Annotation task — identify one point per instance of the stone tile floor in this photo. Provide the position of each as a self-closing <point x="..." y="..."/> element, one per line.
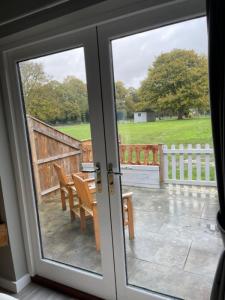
<point x="176" y="247"/>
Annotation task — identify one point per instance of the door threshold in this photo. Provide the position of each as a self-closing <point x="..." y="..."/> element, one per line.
<point x="59" y="287"/>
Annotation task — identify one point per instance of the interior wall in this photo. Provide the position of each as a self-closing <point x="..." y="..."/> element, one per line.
<point x="6" y="260"/>
<point x="12" y="257"/>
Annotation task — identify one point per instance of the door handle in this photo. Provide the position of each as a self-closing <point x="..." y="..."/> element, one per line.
<point x="98" y="179"/>
<point x="111" y="174"/>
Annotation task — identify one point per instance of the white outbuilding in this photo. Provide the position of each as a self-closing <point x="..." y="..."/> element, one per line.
<point x="144" y="116"/>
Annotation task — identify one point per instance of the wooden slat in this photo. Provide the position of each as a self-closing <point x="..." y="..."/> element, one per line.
<point x="41" y="131"/>
<point x="166" y="165"/>
<point x="57" y="157"/>
<point x="48" y="128"/>
<point x="181" y="162"/>
<point x="198" y="163"/>
<point x="189" y="162"/>
<point x="50" y="190"/>
<point x="49" y="145"/>
<point x="207" y="164"/>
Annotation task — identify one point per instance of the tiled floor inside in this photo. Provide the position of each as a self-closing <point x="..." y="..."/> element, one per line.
<point x="34" y="291"/>
<point x="176" y="247"/>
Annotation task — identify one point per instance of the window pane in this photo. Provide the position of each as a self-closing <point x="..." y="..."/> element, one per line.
<point x="57" y="114"/>
<point x="167" y="160"/>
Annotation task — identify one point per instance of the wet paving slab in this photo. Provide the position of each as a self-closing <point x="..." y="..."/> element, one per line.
<point x="176" y="247"/>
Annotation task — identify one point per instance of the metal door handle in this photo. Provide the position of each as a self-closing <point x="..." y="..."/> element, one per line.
<point x="111" y="174"/>
<point x="115" y="173"/>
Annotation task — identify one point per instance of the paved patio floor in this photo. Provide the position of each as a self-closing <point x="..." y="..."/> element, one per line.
<point x="176" y="247"/>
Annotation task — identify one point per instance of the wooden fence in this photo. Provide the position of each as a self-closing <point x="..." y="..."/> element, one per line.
<point x="182" y="165"/>
<point x="189" y="165"/>
<point x="48" y="146"/>
<point x="132" y="154"/>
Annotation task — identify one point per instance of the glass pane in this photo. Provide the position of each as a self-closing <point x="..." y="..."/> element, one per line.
<point x="167" y="160"/>
<point x="57" y="113"/>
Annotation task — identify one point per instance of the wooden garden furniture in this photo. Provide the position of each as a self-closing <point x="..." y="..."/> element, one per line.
<point x="88" y="207"/>
<point x="68" y="190"/>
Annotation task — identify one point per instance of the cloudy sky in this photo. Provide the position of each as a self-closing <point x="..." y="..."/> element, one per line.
<point x="133" y="55"/>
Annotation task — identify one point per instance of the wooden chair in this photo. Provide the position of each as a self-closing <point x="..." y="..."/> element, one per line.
<point x="68" y="190"/>
<point x="88" y="206"/>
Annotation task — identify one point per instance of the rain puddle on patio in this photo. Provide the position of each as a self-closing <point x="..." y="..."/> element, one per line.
<point x="176" y="246"/>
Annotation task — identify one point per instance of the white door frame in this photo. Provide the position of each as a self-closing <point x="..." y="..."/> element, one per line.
<point x="101" y="286"/>
<point x="156" y="18"/>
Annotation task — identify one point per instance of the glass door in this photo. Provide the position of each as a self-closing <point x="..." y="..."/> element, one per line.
<point x="161" y="168"/>
<point x="58" y="106"/>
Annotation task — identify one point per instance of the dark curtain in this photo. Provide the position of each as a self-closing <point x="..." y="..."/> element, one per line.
<point x="216" y="46"/>
<point x="216" y="42"/>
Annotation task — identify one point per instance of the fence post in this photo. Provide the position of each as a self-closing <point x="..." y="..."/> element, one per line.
<point x="34" y="158"/>
<point x="189" y="162"/>
<point x="161" y="164"/>
<point x="165" y="161"/>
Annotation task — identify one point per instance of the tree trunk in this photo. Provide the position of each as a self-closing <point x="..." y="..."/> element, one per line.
<point x="180" y="115"/>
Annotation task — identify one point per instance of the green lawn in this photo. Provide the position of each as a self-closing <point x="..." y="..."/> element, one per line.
<point x="193" y="131"/>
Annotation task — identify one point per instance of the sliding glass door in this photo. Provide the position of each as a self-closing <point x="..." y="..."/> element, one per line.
<point x="57" y="100"/>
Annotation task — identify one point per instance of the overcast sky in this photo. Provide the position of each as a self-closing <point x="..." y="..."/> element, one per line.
<point x="133" y="55"/>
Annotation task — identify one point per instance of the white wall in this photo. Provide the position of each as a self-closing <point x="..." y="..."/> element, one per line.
<point x="12" y="258"/>
<point x="140" y="117"/>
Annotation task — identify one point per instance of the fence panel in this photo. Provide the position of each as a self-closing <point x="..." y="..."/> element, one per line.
<point x="195" y="165"/>
<point x="49" y="146"/>
<point x="130" y="154"/>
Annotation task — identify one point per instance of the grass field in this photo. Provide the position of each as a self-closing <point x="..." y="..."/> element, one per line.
<point x="192" y="131"/>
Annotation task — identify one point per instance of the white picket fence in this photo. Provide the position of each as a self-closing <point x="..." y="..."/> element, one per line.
<point x="191" y="165"/>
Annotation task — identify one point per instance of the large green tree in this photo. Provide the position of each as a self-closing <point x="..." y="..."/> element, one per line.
<point x="43" y="102"/>
<point x="177" y="82"/>
<point x="51" y="100"/>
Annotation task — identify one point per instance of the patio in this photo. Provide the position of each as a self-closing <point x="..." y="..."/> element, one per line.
<point x="176" y="246"/>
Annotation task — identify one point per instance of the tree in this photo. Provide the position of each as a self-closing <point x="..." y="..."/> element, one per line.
<point x="32" y="76"/>
<point x="75" y="97"/>
<point x="43" y="102"/>
<point x="130" y="101"/>
<point x="51" y="100"/>
<point x="125" y="100"/>
<point x="176" y="83"/>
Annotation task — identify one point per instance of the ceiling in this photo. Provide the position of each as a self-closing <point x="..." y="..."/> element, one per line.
<point x="19" y="15"/>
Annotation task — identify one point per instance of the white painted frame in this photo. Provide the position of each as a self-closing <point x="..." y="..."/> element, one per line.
<point x="101" y="286"/>
<point x="160" y="16"/>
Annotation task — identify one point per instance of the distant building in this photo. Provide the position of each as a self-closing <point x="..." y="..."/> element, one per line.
<point x="144" y="116"/>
